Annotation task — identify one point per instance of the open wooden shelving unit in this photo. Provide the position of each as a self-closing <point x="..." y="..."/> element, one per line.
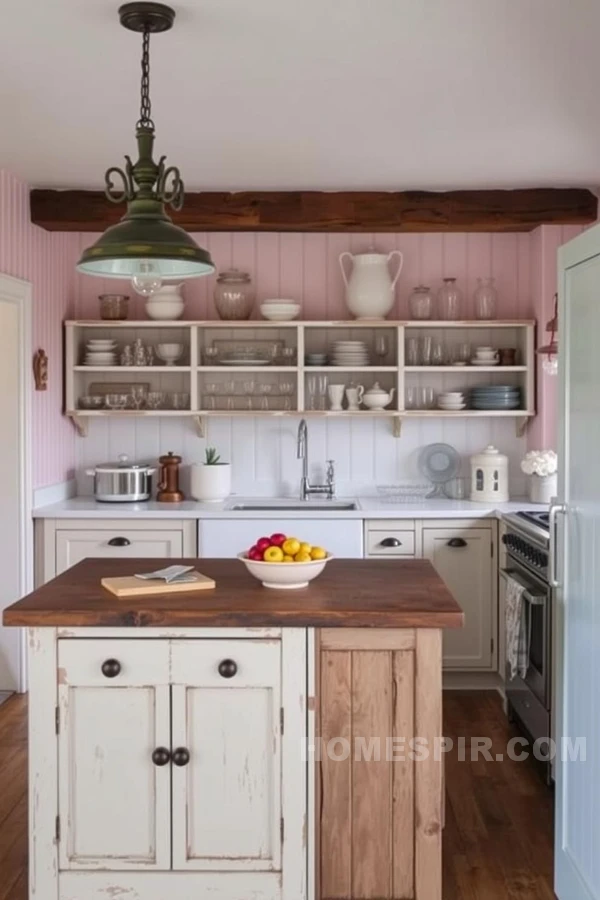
<point x="193" y="376"/>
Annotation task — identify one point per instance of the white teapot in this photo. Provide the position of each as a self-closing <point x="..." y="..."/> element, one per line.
<point x="377" y="398"/>
<point x="370" y="289"/>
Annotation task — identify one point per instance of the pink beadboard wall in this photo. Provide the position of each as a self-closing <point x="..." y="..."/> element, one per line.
<point x="46" y="260"/>
<point x="305" y="266"/>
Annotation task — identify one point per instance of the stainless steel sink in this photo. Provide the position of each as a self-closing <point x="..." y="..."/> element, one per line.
<point x="293" y="506"/>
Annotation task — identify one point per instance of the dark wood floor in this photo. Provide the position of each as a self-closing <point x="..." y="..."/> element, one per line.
<point x="498" y="834"/>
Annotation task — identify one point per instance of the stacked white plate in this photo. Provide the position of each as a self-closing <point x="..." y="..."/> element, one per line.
<point x="352" y="354"/>
<point x="452" y="401"/>
<point x="100" y="352"/>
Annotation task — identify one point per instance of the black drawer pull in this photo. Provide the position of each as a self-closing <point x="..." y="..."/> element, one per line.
<point x="227" y="668"/>
<point x="119" y="542"/>
<point x="457" y="542"/>
<point x="161" y="756"/>
<point x="390" y="542"/>
<point x="181" y="756"/>
<point x="111" y="668"/>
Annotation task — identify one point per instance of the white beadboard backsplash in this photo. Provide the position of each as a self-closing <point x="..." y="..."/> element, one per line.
<point x="263" y="450"/>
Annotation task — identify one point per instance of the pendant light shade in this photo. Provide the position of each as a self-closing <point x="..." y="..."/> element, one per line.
<point x="145" y="245"/>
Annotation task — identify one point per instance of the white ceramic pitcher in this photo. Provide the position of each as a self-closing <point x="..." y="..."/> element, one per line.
<point x="370" y="288"/>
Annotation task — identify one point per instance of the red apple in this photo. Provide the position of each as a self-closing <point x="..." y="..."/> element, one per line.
<point x="255" y="554"/>
<point x="278" y="539"/>
<point x="263" y="544"/>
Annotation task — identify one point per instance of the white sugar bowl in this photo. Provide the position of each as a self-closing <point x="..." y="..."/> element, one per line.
<point x="489" y="476"/>
<point x="376" y="398"/>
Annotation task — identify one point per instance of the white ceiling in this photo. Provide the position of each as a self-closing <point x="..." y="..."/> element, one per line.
<point x="322" y="94"/>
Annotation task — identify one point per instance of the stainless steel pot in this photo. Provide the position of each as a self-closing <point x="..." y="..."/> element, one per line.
<point x="122" y="481"/>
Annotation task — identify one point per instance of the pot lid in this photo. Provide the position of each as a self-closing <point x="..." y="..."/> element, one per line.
<point x="121" y="464"/>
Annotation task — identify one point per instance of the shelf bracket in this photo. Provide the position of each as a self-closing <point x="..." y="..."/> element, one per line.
<point x="522" y="425"/>
<point x="81" y="425"/>
<point x="397" y="427"/>
<point x="200" y="423"/>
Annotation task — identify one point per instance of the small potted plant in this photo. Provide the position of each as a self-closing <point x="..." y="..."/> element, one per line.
<point x="211" y="480"/>
<point x="541" y="466"/>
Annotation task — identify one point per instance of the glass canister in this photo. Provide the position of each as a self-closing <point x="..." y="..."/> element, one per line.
<point x="486" y="299"/>
<point x="420" y="302"/>
<point x="449" y="300"/>
<point x="234" y="295"/>
<point x="113" y="306"/>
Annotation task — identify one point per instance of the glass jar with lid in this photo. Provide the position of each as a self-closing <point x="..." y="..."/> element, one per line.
<point x="234" y="295"/>
<point x="420" y="302"/>
<point x="486" y="299"/>
<point x="449" y="300"/>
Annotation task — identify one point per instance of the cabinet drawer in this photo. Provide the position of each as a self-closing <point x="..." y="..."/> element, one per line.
<point x="73" y="546"/>
<point x="140" y="662"/>
<point x="390" y="542"/>
<point x="198" y="662"/>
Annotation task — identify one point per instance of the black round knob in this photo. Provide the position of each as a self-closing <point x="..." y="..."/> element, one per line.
<point x="227" y="668"/>
<point x="111" y="668"/>
<point x="161" y="756"/>
<point x="181" y="756"/>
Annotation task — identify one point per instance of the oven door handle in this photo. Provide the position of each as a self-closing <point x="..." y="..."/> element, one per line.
<point x="532" y="599"/>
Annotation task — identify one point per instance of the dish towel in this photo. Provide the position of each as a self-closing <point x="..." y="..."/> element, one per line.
<point x="517" y="636"/>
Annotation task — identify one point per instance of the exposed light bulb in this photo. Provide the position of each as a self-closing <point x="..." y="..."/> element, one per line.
<point x="147" y="278"/>
<point x="550" y="365"/>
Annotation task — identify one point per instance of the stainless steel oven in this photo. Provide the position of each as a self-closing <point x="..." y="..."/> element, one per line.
<point x="529" y="699"/>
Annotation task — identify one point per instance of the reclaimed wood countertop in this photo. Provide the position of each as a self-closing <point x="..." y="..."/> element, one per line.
<point x="350" y="593"/>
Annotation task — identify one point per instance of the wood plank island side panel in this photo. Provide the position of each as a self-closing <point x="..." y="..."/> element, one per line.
<point x="335" y="826"/>
<point x="349" y="593"/>
<point x="351" y="211"/>
<point x="403" y="775"/>
<point x="372" y="850"/>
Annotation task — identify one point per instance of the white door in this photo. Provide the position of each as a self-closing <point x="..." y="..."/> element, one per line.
<point x="15" y="525"/>
<point x="577" y="866"/>
<point x="463" y="558"/>
<point x="114" y="789"/>
<point x="227" y="805"/>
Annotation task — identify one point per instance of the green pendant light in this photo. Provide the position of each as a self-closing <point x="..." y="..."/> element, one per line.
<point x="145" y="245"/>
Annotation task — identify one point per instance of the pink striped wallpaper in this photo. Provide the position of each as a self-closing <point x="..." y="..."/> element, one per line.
<point x="46" y="260"/>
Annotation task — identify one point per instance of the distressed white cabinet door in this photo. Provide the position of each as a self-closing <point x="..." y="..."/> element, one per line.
<point x="463" y="558"/>
<point x="227" y="798"/>
<point x="114" y="803"/>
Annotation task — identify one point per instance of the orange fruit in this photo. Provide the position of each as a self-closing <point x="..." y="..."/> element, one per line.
<point x="273" y="554"/>
<point x="291" y="546"/>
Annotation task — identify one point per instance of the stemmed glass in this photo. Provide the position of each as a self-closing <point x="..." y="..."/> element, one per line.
<point x="311" y="387"/>
<point x="382" y="347"/>
<point x="138" y="395"/>
<point x="322" y="384"/>
<point x="286" y="389"/>
<point x="265" y="390"/>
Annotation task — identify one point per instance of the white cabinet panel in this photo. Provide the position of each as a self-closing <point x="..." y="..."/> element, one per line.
<point x="228" y="537"/>
<point x="227" y="798"/>
<point x="73" y="546"/>
<point x="114" y="803"/>
<point x="463" y="558"/>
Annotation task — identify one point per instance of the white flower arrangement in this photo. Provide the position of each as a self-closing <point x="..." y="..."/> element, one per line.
<point x="540" y="462"/>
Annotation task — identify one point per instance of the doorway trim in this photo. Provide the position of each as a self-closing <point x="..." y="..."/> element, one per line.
<point x="19" y="292"/>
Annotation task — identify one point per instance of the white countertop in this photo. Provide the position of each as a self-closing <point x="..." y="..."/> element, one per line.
<point x="368" y="508"/>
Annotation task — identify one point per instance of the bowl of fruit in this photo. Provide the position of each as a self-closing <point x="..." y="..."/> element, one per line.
<point x="284" y="562"/>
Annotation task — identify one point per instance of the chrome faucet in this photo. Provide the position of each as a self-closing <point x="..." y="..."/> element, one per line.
<point x="306" y="488"/>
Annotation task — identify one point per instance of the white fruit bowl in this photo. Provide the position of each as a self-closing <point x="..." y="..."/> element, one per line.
<point x="285" y="576"/>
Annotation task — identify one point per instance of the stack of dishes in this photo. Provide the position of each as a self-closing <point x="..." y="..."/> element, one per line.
<point x="244" y="356"/>
<point x="352" y="354"/>
<point x="451" y="400"/>
<point x="100" y="352"/>
<point x="316" y="359"/>
<point x="280" y="310"/>
<point x="496" y="397"/>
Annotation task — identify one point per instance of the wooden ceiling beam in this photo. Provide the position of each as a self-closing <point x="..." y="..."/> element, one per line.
<point x="318" y="211"/>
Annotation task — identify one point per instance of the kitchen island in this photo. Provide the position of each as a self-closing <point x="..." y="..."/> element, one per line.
<point x="240" y="743"/>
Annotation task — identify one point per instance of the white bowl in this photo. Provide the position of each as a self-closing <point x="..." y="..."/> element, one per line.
<point x="285" y="576"/>
<point x="452" y="395"/>
<point x="169" y="352"/>
<point x="279" y="315"/>
<point x="280" y="302"/>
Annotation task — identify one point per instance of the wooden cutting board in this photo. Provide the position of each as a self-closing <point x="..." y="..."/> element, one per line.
<point x="130" y="586"/>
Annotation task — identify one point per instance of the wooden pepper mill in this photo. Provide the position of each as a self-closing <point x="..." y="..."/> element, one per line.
<point x="168" y="486"/>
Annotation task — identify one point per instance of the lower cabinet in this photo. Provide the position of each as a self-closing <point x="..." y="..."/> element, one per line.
<point x="463" y="556"/>
<point x="182" y="756"/>
<point x="380" y="784"/>
<point x="225" y="538"/>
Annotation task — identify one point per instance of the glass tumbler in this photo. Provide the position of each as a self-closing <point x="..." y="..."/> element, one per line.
<point x="410" y="398"/>
<point x="426" y="398"/>
<point x="412" y="351"/>
<point x="425" y="350"/>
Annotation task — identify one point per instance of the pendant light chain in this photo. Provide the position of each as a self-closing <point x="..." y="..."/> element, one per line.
<point x="145" y="120"/>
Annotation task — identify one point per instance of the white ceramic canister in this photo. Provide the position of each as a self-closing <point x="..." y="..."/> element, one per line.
<point x="542" y="488"/>
<point x="211" y="483"/>
<point x="489" y="476"/>
<point x="166" y="303"/>
<point x="370" y="288"/>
